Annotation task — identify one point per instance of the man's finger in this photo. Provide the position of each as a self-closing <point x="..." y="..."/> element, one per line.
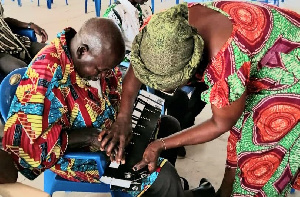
<point x="110" y="147"/>
<point x="105" y="141"/>
<point x="101" y="135"/>
<point x="112" y="157"/>
<point x="120" y="154"/>
<point x="140" y="165"/>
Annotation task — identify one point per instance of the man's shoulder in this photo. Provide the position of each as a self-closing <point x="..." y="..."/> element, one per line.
<point x="47" y="61"/>
<point x="48" y="54"/>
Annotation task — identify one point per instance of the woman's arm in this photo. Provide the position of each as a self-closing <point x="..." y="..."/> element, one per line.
<point x="221" y="121"/>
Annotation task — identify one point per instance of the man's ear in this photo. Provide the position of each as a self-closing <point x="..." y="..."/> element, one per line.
<point x="82" y="50"/>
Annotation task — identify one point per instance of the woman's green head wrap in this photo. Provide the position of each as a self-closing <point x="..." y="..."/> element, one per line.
<point x="167" y="51"/>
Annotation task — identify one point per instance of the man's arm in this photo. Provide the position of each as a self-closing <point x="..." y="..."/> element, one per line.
<point x="83" y="137"/>
<point x="14" y="23"/>
<point x="121" y="129"/>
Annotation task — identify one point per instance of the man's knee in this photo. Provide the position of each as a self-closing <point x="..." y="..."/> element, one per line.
<point x="169" y="125"/>
<point x="9" y="63"/>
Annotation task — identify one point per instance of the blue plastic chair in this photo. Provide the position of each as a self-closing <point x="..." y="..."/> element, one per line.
<point x="8" y="88"/>
<point x="26" y="32"/>
<point x="97" y="7"/>
<point x="19" y="2"/>
<point x="49" y="3"/>
<point x="53" y="182"/>
<point x="152" y="5"/>
<point x="274" y="2"/>
<point x="23" y="32"/>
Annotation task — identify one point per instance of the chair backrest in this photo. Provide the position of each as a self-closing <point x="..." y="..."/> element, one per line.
<point x="8" y="89"/>
<point x="26" y="32"/>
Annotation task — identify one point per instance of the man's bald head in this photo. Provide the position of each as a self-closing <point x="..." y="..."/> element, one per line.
<point x="102" y="36"/>
<point x="97" y="47"/>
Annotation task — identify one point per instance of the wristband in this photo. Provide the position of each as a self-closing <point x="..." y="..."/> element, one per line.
<point x="164" y="144"/>
<point x="29" y="25"/>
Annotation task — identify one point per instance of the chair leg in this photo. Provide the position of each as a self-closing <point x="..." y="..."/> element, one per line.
<point x="152" y="5"/>
<point x="49" y="177"/>
<point x="98" y="7"/>
<point x="85" y="8"/>
<point x="49" y="4"/>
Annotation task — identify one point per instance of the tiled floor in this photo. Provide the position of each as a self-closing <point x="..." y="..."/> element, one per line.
<point x="205" y="160"/>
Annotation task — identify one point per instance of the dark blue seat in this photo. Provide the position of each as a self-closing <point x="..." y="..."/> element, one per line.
<point x="26" y="32"/>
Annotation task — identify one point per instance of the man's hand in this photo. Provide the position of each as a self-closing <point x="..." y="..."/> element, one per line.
<point x="83" y="137"/>
<point x="150" y="156"/>
<point x="114" y="140"/>
<point x="8" y="171"/>
<point x="40" y="31"/>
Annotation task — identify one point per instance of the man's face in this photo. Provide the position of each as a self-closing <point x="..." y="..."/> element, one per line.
<point x="93" y="67"/>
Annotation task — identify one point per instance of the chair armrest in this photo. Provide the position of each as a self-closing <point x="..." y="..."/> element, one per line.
<point x="26" y="32"/>
<point x="19" y="189"/>
<point x="100" y="158"/>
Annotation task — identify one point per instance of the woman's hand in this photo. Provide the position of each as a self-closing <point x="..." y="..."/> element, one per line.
<point x="40" y="31"/>
<point x="118" y="136"/>
<point x="150" y="156"/>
